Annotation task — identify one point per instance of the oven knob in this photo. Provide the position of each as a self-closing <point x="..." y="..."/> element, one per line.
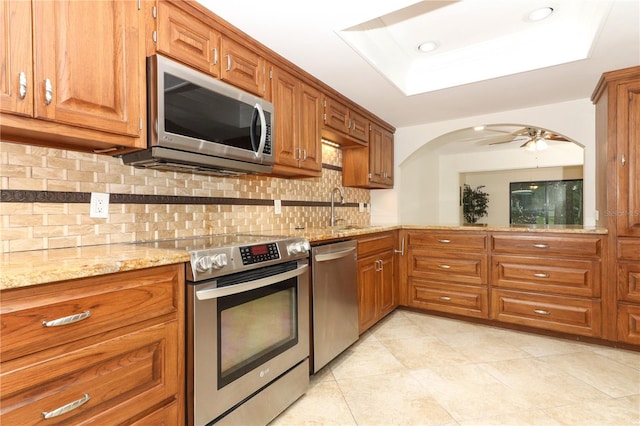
<point x="204" y="263"/>
<point x="218" y="261"/>
<point x="299" y="247"/>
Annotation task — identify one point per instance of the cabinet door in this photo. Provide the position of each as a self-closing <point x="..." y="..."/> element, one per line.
<point x="367" y="306"/>
<point x="376" y="155"/>
<point x="388" y="294"/>
<point x="358" y="126"/>
<point x="15" y="62"/>
<point x="89" y="64"/>
<point x="188" y="39"/>
<point x="310" y="127"/>
<point x="242" y="67"/>
<point x="336" y="115"/>
<point x="283" y="92"/>
<point x="387" y="157"/>
<point x="628" y="134"/>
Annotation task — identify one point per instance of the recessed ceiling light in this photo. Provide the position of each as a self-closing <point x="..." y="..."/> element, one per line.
<point x="427" y="46"/>
<point x="540" y="14"/>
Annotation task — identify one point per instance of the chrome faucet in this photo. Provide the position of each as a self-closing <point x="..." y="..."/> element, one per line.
<point x="334" y="219"/>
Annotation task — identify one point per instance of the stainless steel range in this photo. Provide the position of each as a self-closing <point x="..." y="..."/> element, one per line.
<point x="247" y="326"/>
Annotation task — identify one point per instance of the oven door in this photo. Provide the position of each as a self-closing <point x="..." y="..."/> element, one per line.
<point x="245" y="330"/>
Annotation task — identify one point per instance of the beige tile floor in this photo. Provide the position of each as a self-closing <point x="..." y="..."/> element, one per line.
<point x="417" y="369"/>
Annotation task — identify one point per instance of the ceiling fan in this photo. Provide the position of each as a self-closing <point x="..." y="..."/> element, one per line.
<point x="534" y="139"/>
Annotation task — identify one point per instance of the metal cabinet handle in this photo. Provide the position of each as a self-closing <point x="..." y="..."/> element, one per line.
<point x="445" y="298"/>
<point x="623" y="160"/>
<point x="67" y="407"/>
<point x="215" y="56"/>
<point x="228" y="62"/>
<point x="444" y="241"/>
<point x="22" y="77"/>
<point x="67" y="320"/>
<point x="541" y="246"/>
<point x="48" y="91"/>
<point x="304" y="155"/>
<point x="538" y="275"/>
<point x="444" y="266"/>
<point x="401" y="251"/>
<point x="541" y="312"/>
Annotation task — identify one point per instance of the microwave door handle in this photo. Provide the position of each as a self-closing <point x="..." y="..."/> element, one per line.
<point x="263" y="130"/>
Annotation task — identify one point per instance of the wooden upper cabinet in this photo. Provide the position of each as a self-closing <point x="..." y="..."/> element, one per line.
<point x="242" y="67"/>
<point x="16" y="74"/>
<point x="187" y="39"/>
<point x="629" y="159"/>
<point x="89" y="64"/>
<point x="343" y="125"/>
<point x="297" y="130"/>
<point x="85" y="89"/>
<point x="371" y="166"/>
<point x="617" y="99"/>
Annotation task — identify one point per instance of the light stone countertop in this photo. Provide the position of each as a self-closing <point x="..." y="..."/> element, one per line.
<point x="19" y="269"/>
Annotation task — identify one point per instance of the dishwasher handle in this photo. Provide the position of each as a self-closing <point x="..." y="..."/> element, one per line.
<point x="333" y="256"/>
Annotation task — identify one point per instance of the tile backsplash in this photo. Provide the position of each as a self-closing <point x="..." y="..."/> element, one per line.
<point x="45" y="200"/>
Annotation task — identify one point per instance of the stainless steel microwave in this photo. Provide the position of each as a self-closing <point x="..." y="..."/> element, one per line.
<point x="202" y="125"/>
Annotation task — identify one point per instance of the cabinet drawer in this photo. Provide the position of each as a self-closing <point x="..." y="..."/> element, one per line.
<point x="448" y="240"/>
<point x="121" y="377"/>
<point x="111" y="301"/>
<point x="629" y="323"/>
<point x="629" y="249"/>
<point x="558" y="313"/>
<point x="629" y="281"/>
<point x="569" y="276"/>
<point x="464" y="268"/>
<point x="444" y="297"/>
<point x="544" y="245"/>
<point x="377" y="243"/>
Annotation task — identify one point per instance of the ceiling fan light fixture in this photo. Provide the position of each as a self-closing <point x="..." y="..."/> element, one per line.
<point x="427" y="46"/>
<point x="535" y="145"/>
<point x="479" y="128"/>
<point x="539" y="14"/>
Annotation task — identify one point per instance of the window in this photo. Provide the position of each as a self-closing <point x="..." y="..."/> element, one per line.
<point x="556" y="202"/>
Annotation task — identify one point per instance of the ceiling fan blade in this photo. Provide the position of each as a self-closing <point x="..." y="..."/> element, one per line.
<point x="497" y="140"/>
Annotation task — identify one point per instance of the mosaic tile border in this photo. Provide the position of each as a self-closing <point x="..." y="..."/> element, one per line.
<point x="28" y="196"/>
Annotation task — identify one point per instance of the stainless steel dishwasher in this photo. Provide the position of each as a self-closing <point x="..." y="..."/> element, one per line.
<point x="334" y="300"/>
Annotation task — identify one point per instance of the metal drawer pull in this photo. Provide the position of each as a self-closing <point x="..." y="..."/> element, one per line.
<point x="541" y="312"/>
<point x="228" y="62"/>
<point x="444" y="241"/>
<point x="48" y="91"/>
<point x="215" y="56"/>
<point x="541" y="275"/>
<point x="22" y="77"/>
<point x="444" y="266"/>
<point x="67" y="320"/>
<point x="446" y="298"/>
<point x="66" y="408"/>
<point x="541" y="245"/>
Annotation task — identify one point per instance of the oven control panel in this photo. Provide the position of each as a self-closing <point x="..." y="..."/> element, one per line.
<point x="259" y="253"/>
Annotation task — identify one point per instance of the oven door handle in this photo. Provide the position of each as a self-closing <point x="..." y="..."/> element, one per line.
<point x="213" y="293"/>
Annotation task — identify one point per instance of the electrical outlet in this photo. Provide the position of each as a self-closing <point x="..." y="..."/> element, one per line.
<point x="99" y="205"/>
<point x="277" y="204"/>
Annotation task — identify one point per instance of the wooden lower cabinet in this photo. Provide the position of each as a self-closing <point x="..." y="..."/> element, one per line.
<point x="103" y="350"/>
<point x="629" y="323"/>
<point x="377" y="288"/>
<point x="458" y="299"/>
<point x="447" y="272"/>
<point x="559" y="313"/>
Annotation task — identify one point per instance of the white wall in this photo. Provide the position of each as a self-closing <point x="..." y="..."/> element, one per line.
<point x="414" y="194"/>
<point x="496" y="184"/>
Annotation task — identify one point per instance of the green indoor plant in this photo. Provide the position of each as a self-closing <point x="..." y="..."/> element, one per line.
<point x="474" y="203"/>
